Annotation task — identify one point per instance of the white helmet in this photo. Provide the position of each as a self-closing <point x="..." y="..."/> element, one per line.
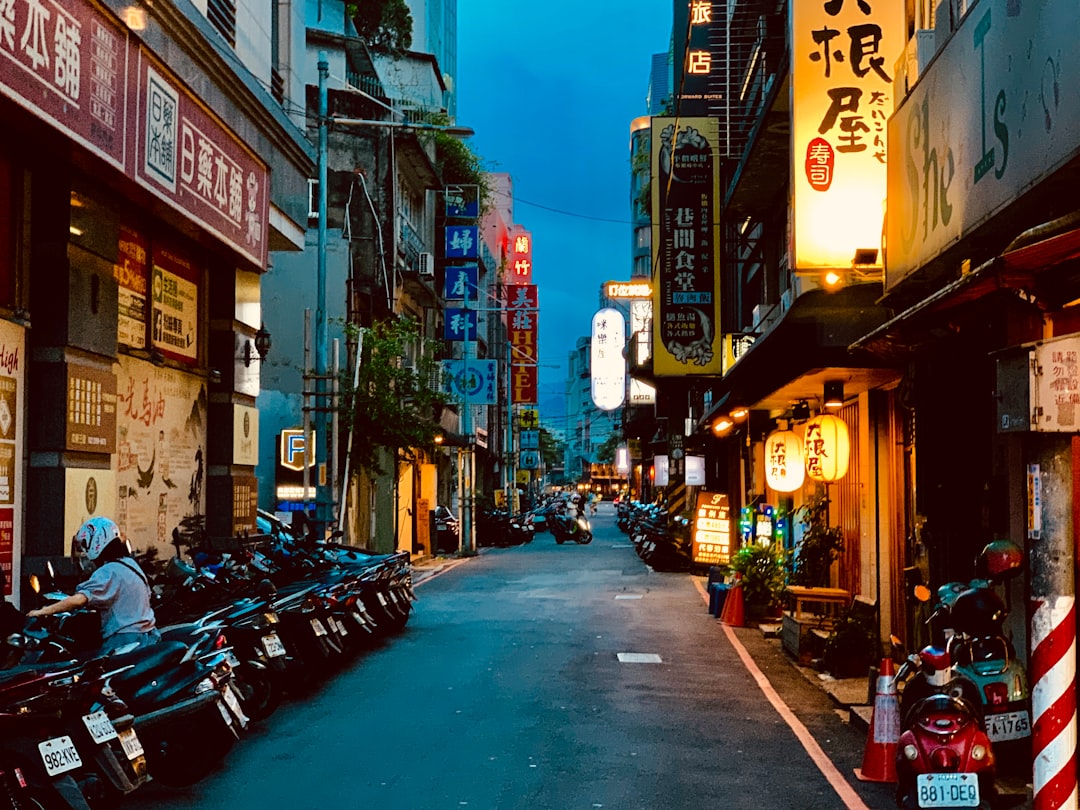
<point x="94" y="535"/>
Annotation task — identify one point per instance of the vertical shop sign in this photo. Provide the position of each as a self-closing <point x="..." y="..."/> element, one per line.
<point x="699" y="29"/>
<point x="522" y="309"/>
<point x="686" y="295"/>
<point x="842" y="95"/>
<point x="519" y="258"/>
<point x="7" y="549"/>
<point x="462" y="283"/>
<point x="245" y="435"/>
<point x="176" y="306"/>
<point x="130" y="272"/>
<point x="606" y="361"/>
<point x="462" y="242"/>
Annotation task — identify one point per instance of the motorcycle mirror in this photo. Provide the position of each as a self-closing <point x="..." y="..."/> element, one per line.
<point x="922" y="593"/>
<point x="49" y="568"/>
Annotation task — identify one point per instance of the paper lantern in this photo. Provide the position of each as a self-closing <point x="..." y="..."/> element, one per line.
<point x="826" y="447"/>
<point x="784" y="466"/>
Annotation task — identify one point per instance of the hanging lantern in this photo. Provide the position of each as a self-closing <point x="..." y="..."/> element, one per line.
<point x="826" y="445"/>
<point x="784" y="466"/>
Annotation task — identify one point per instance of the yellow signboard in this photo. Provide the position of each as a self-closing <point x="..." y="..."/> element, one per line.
<point x="712" y="529"/>
<point x="529" y="419"/>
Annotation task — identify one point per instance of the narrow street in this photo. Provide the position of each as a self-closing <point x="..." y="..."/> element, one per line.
<point x="507" y="691"/>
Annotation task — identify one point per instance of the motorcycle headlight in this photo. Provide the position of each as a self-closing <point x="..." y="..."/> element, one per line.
<point x="911" y="753"/>
<point x="978" y="752"/>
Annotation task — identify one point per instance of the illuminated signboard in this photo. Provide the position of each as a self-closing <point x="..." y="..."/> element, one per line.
<point x="842" y="95"/>
<point x="627" y="289"/>
<point x="712" y="529"/>
<point x="519" y="258"/>
<point x="606" y="361"/>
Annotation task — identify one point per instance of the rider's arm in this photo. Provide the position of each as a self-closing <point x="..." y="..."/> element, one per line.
<point x="73" y="602"/>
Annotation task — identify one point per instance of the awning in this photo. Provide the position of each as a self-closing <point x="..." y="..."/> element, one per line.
<point x="808" y="346"/>
<point x="1042" y="270"/>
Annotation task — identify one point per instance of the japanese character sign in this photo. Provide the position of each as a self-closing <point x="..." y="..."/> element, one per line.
<point x="842" y="92"/>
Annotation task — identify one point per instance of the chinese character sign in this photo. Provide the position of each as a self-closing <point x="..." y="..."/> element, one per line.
<point x="686" y="293"/>
<point x="843" y="53"/>
<point x="461" y="242"/>
<point x="175" y="306"/>
<point x="472" y="381"/>
<point x="462" y="283"/>
<point x="699" y="27"/>
<point x="462" y="202"/>
<point x="519" y="256"/>
<point x="459" y="324"/>
<point x="606" y="361"/>
<point x="521" y="324"/>
<point x="712" y="529"/>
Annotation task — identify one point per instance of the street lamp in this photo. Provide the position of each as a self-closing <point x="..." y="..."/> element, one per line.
<point x="321" y="335"/>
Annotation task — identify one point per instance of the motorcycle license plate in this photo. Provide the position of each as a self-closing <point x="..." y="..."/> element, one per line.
<point x="273" y="646"/>
<point x="131" y="743"/>
<point x="1008" y="726"/>
<point x="317" y="626"/>
<point x="948" y="789"/>
<point x="340" y="628"/>
<point x="100" y="727"/>
<point x="234" y="704"/>
<point x="59" y="755"/>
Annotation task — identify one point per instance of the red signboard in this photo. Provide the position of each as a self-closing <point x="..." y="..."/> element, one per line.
<point x="74" y="65"/>
<point x="519" y="256"/>
<point x="521" y="322"/>
<point x="523" y="385"/>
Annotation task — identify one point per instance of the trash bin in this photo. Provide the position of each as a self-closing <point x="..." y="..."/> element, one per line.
<point x="717" y="595"/>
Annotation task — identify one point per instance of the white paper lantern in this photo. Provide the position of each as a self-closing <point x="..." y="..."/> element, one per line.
<point x="784" y="470"/>
<point x="826" y="446"/>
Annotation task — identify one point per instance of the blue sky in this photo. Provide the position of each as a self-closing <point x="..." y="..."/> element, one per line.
<point x="551" y="88"/>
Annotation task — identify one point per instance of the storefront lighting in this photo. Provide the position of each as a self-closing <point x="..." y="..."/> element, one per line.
<point x="785" y="468"/>
<point x="739" y="413"/>
<point x="74" y="230"/>
<point x="134" y="17"/>
<point x="827" y="447"/>
<point x="722" y="424"/>
<point x="834" y="394"/>
<point x="832" y="278"/>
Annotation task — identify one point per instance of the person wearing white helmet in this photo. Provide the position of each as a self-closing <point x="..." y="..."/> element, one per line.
<point x="118" y="589"/>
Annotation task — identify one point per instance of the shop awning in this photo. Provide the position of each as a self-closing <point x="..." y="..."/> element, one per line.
<point x="1043" y="270"/>
<point x="810" y="344"/>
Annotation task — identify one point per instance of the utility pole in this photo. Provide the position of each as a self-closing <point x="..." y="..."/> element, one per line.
<point x="321" y="334"/>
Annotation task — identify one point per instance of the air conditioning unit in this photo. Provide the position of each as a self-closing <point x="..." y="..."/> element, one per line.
<point x="427" y="265"/>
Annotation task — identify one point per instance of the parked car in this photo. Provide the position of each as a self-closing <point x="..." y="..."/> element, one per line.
<point x="447" y="533"/>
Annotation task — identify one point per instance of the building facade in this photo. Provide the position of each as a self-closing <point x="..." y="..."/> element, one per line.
<point x="156" y="208"/>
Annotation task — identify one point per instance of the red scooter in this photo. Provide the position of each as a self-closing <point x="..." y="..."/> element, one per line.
<point x="944" y="758"/>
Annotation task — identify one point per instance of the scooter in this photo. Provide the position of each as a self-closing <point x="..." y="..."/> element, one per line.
<point x="565" y="526"/>
<point x="944" y="758"/>
<point x="967" y="621"/>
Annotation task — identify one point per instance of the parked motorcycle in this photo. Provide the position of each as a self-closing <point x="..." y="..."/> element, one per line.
<point x="967" y="620"/>
<point x="944" y="758"/>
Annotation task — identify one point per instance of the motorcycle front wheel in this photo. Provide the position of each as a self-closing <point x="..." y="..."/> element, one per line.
<point x="584" y="538"/>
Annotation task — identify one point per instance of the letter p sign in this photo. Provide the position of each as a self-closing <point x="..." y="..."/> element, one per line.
<point x="293" y="449"/>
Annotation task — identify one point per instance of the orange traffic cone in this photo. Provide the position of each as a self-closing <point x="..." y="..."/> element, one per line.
<point x="879" y="756"/>
<point x="732" y="613"/>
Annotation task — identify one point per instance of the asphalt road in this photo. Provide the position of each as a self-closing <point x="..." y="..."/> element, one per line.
<point x="506" y="690"/>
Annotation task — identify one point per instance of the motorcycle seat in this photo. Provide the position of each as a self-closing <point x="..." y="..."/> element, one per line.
<point x="146" y="661"/>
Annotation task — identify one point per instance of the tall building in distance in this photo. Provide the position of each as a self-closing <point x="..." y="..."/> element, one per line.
<point x="435" y="32"/>
<point x="658" y="97"/>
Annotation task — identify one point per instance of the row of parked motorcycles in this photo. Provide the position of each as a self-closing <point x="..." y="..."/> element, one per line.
<point x="661" y="541"/>
<point x="240" y="630"/>
<point x="965" y="712"/>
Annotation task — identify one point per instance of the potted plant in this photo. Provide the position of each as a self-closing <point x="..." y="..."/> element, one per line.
<point x="761" y="570"/>
<point x="819" y="547"/>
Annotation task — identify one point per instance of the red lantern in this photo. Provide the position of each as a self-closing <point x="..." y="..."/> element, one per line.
<point x="784" y="466"/>
<point x="827" y="447"/>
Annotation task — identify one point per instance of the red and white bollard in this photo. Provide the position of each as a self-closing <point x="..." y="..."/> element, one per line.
<point x="1053" y="702"/>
